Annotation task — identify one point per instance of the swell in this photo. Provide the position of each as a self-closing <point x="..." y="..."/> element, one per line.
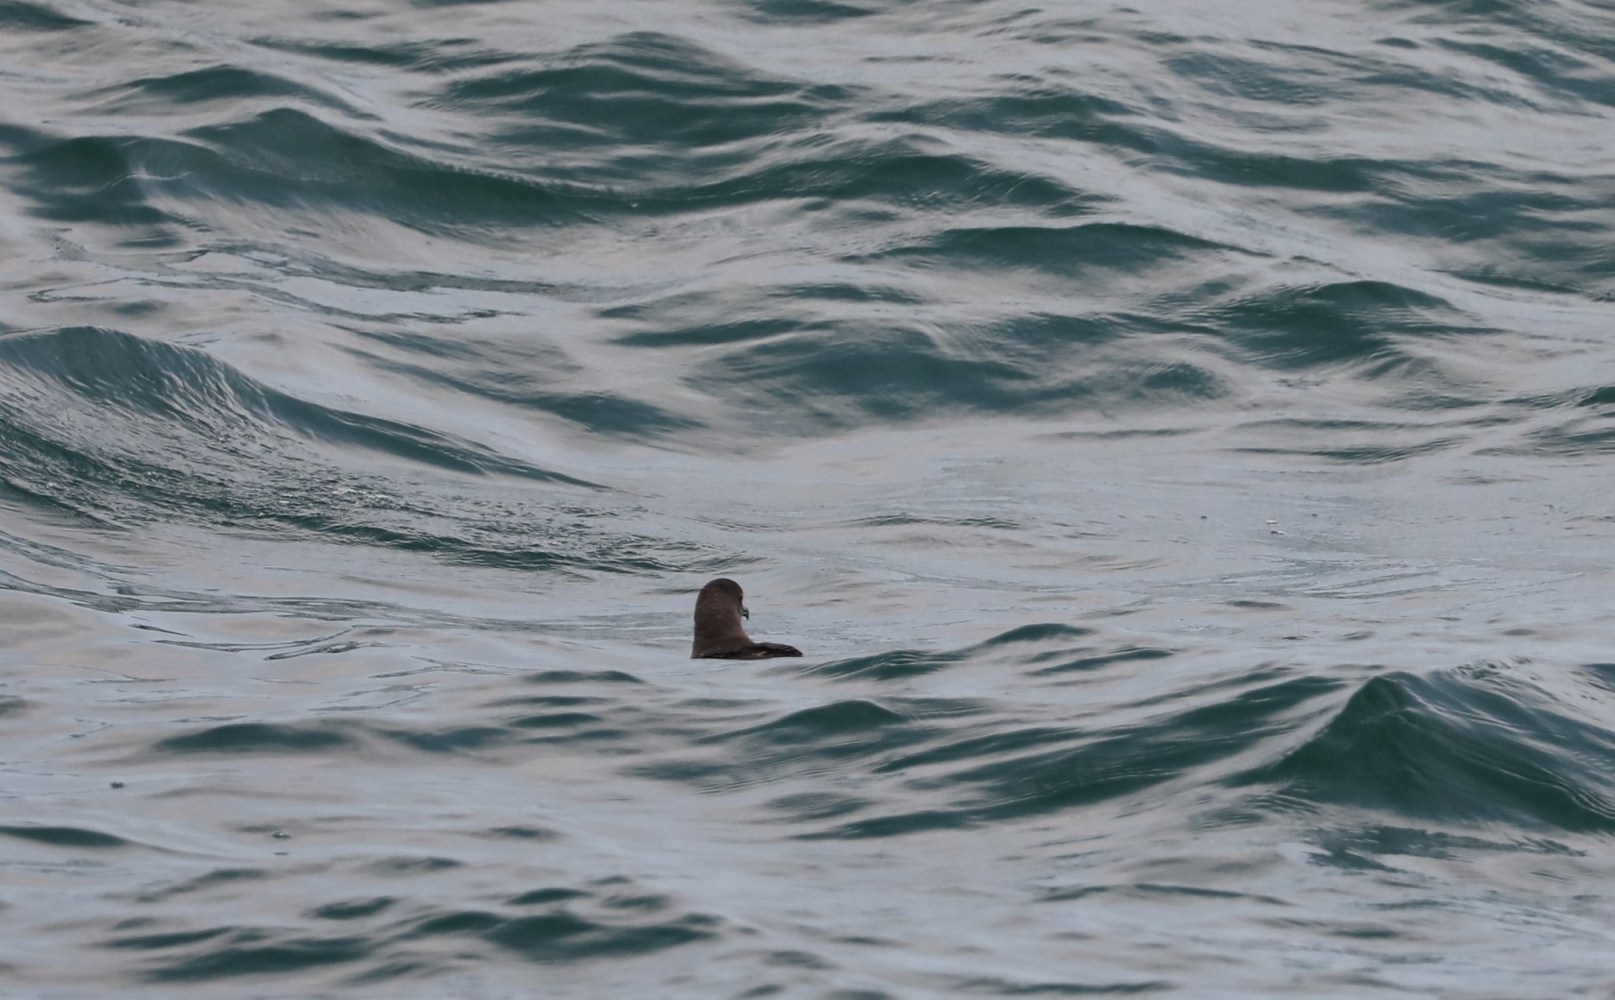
<point x="128" y="377"/>
<point x="584" y="135"/>
<point x="1443" y="764"/>
<point x="644" y="95"/>
<point x="1461" y="747"/>
<point x="1086" y="301"/>
<point x="201" y="442"/>
<point x="928" y="763"/>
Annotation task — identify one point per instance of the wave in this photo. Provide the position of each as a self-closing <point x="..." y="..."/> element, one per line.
<point x="1455" y="747"/>
<point x="1460" y="747"/>
<point x="1081" y="303"/>
<point x="382" y="938"/>
<point x="117" y="376"/>
<point x="201" y="441"/>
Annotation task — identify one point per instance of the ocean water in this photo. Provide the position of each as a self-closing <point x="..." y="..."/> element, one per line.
<point x="1179" y="436"/>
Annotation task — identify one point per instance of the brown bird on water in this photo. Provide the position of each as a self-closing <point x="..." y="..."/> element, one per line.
<point x="718" y="632"/>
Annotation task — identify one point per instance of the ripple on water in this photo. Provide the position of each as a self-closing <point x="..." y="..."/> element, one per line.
<point x="73" y="837"/>
<point x="260" y="737"/>
<point x="389" y="936"/>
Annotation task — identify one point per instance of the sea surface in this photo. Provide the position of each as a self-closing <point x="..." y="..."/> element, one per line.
<point x="1180" y="436"/>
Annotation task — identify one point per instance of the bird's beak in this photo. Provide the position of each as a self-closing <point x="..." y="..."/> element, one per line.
<point x="743" y="612"/>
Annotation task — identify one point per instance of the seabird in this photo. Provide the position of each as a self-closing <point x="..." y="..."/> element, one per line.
<point x="718" y="632"/>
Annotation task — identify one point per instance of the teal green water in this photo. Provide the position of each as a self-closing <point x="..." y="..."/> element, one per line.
<point x="1178" y="437"/>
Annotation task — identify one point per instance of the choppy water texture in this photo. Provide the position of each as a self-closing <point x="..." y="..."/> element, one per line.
<point x="1179" y="436"/>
